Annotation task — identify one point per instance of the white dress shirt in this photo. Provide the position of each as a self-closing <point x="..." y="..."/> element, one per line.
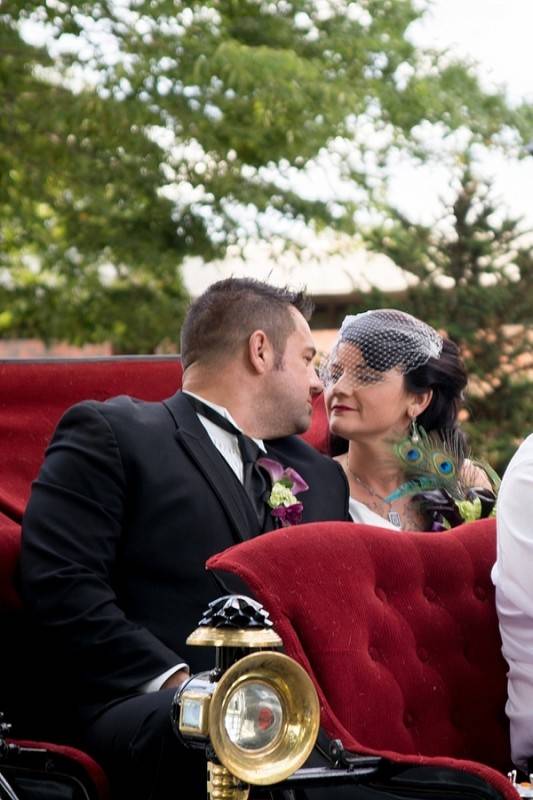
<point x="513" y="578"/>
<point x="227" y="445"/>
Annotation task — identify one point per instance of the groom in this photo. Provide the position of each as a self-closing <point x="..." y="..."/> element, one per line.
<point x="134" y="497"/>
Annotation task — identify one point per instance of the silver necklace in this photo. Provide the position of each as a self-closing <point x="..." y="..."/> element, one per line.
<point x="393" y="516"/>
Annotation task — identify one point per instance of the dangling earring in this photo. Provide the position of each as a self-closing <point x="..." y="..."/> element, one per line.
<point x="409" y="450"/>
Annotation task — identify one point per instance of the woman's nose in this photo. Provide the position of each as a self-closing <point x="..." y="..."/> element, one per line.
<point x="340" y="385"/>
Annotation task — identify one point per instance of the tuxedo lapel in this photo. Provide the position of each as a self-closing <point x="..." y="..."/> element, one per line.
<point x="192" y="436"/>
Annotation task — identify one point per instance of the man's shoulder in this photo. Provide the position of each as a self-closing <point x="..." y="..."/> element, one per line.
<point x="290" y="443"/>
<point x="295" y="448"/>
<point x="121" y="404"/>
<point x="119" y="410"/>
<point x="327" y="497"/>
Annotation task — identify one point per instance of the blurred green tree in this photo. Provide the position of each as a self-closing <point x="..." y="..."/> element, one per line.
<point x="474" y="275"/>
<point x="88" y="241"/>
<point x="148" y="130"/>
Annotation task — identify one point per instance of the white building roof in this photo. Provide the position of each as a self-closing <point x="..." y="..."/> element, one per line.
<point x="320" y="274"/>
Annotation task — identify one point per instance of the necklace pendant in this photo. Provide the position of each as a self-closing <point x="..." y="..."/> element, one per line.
<point x="394" y="519"/>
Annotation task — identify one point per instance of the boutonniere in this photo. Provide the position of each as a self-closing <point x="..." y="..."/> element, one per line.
<point x="286" y="484"/>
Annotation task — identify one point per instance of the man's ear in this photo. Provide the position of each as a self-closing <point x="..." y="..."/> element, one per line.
<point x="260" y="352"/>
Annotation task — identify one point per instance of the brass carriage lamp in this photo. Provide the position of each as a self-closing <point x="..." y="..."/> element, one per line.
<point x="256" y="714"/>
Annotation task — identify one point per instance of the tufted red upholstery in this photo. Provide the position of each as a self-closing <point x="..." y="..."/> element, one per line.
<point x="33" y="396"/>
<point x="428" y="671"/>
<point x="398" y="631"/>
<point x="318" y="433"/>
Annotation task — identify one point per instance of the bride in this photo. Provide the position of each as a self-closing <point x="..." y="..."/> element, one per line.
<point x="390" y="380"/>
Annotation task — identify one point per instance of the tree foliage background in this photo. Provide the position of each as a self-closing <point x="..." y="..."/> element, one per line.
<point x="134" y="133"/>
<point x="141" y="132"/>
<point x="475" y="283"/>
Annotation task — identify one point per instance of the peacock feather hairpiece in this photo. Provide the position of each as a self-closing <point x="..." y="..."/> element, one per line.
<point x="428" y="461"/>
<point x="440" y="475"/>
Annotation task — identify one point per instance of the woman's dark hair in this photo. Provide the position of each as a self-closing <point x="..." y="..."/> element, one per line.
<point x="446" y="376"/>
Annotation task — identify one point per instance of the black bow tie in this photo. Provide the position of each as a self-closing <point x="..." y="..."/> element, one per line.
<point x="254" y="480"/>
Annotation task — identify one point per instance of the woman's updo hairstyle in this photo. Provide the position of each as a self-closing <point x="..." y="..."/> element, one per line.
<point x="446" y="376"/>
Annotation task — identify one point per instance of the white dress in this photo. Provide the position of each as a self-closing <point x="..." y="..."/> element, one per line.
<point x="361" y="513"/>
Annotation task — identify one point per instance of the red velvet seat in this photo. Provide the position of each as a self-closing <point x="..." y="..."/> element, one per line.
<point x="15" y="685"/>
<point x="402" y="641"/>
<point x="34" y="395"/>
<point x="399" y="633"/>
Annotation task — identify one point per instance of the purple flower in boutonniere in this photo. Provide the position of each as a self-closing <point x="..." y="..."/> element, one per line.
<point x="286" y="484"/>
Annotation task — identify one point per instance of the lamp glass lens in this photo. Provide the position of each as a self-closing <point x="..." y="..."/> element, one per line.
<point x="254" y="716"/>
<point x="192" y="712"/>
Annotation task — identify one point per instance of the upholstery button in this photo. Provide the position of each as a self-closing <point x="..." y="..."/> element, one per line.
<point x="429" y="593"/>
<point x="408" y="720"/>
<point x="373" y="653"/>
<point x="423" y="654"/>
<point x="380" y="594"/>
<point x="480" y="593"/>
<point x="455" y="720"/>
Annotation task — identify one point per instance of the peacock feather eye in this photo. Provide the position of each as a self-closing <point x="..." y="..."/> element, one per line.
<point x="444" y="465"/>
<point x="409" y="453"/>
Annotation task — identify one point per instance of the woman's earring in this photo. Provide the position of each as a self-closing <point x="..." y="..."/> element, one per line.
<point x="413" y="432"/>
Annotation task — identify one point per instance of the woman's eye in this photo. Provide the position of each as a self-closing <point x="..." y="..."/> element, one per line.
<point x="365" y="377"/>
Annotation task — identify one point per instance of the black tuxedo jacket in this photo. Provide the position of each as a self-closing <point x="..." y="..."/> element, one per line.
<point x="131" y="501"/>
